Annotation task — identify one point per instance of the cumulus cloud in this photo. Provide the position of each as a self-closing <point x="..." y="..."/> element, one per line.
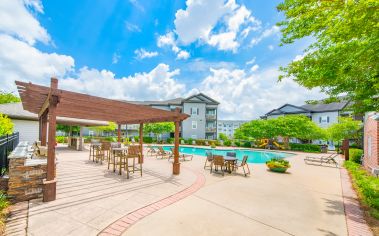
<point x="142" y="53"/>
<point x="254" y="68"/>
<point x="201" y="20"/>
<point x="158" y="84"/>
<point x="265" y="34"/>
<point x="168" y="40"/>
<point x="17" y="21"/>
<point x="245" y="96"/>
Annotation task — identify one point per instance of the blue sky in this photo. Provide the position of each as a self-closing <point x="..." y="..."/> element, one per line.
<point x="136" y="50"/>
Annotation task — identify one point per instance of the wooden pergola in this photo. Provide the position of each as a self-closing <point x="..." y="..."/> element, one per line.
<point x="50" y="102"/>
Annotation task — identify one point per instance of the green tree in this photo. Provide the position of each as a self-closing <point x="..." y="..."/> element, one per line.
<point x="8" y="97"/>
<point x="346" y="128"/>
<point x="107" y="128"/>
<point x="66" y="128"/>
<point x="6" y="125"/>
<point x="344" y="55"/>
<point x="223" y="137"/>
<point x="158" y="128"/>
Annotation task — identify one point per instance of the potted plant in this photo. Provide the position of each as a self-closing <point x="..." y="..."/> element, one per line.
<point x="278" y="165"/>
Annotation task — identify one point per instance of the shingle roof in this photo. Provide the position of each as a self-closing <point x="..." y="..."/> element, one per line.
<point x="323" y="107"/>
<point x="175" y="101"/>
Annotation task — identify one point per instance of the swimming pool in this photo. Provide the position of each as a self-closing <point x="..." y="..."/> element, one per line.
<point x="254" y="156"/>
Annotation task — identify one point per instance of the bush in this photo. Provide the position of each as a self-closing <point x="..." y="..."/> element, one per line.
<point x="3" y="204"/>
<point x="237" y="143"/>
<point x="247" y="144"/>
<point x="366" y="185"/>
<point x="61" y="139"/>
<point x="189" y="141"/>
<point x="278" y="163"/>
<point x="136" y="138"/>
<point x="6" y="125"/>
<point x="227" y="143"/>
<point x="200" y="142"/>
<point x="147" y="139"/>
<point x="355" y="155"/>
<point x="305" y="147"/>
<point x="171" y="140"/>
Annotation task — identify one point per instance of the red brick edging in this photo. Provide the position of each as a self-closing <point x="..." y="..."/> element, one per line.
<point x="356" y="224"/>
<point x="121" y="225"/>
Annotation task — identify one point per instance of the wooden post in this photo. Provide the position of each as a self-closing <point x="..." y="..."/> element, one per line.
<point x="119" y="133"/>
<point x="81" y="138"/>
<point x="49" y="193"/>
<point x="345" y="145"/>
<point x="44" y="129"/>
<point x="141" y="142"/>
<point x="176" y="164"/>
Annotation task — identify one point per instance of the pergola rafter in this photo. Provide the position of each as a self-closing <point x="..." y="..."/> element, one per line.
<point x="50" y="102"/>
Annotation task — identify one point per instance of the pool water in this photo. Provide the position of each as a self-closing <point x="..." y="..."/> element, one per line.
<point x="254" y="156"/>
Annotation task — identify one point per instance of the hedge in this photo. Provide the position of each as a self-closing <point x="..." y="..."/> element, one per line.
<point x="355" y="155"/>
<point x="305" y="147"/>
<point x="366" y="185"/>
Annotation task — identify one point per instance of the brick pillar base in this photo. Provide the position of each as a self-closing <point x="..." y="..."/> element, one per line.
<point x="176" y="168"/>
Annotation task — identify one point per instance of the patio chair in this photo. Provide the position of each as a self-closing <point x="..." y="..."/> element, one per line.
<point x="99" y="154"/>
<point x="209" y="159"/>
<point x="134" y="152"/>
<point x="106" y="147"/>
<point x="218" y="161"/>
<point x="151" y="150"/>
<point x="162" y="153"/>
<point x="181" y="155"/>
<point x="243" y="164"/>
<point x="330" y="159"/>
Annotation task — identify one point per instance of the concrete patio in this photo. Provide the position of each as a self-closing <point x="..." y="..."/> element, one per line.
<point x="90" y="198"/>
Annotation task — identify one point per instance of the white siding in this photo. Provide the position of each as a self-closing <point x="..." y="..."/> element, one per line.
<point x="28" y="129"/>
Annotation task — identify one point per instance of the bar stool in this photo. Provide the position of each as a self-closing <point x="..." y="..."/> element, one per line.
<point x="134" y="152"/>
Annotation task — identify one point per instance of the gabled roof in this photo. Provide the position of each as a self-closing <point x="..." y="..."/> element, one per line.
<point x="287" y="109"/>
<point x="201" y="98"/>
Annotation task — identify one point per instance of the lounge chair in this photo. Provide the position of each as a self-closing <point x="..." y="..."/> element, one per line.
<point x="243" y="164"/>
<point x="151" y="150"/>
<point x="181" y="155"/>
<point x="218" y="161"/>
<point x="330" y="159"/>
<point x="209" y="159"/>
<point x="162" y="153"/>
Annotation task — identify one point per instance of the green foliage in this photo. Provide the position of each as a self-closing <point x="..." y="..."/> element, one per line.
<point x="159" y="128"/>
<point x="61" y="139"/>
<point x="366" y="185"/>
<point x="355" y="155"/>
<point x="304" y="147"/>
<point x="148" y="139"/>
<point x="66" y="128"/>
<point x="213" y="145"/>
<point x="223" y="137"/>
<point x="6" y="125"/>
<point x="344" y="57"/>
<point x="278" y="163"/>
<point x="170" y="140"/>
<point x="345" y="128"/>
<point x="247" y="144"/>
<point x="8" y="98"/>
<point x="189" y="141"/>
<point x="237" y="143"/>
<point x="108" y="128"/>
<point x="228" y="143"/>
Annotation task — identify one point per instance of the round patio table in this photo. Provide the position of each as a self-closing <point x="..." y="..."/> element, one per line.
<point x="230" y="161"/>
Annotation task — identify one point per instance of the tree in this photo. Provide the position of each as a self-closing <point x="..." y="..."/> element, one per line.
<point x="159" y="128"/>
<point x="107" y="128"/>
<point x="344" y="57"/>
<point x="8" y="97"/>
<point x="346" y="128"/>
<point x="6" y="125"/>
<point x="66" y="128"/>
<point x="223" y="137"/>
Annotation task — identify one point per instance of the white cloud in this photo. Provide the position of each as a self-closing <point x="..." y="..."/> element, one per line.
<point x="169" y="40"/>
<point x="158" y="84"/>
<point x="17" y="21"/>
<point x="142" y="53"/>
<point x="183" y="55"/>
<point x="254" y="68"/>
<point x="214" y="22"/>
<point x="245" y="96"/>
<point x="115" y="58"/>
<point x="132" y="27"/>
<point x="265" y="34"/>
<point x="21" y="61"/>
<point x="252" y="61"/>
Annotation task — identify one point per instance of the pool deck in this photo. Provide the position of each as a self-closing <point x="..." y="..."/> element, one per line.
<point x="93" y="201"/>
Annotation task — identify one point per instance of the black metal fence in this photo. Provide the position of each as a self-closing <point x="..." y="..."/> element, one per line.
<point x="7" y="144"/>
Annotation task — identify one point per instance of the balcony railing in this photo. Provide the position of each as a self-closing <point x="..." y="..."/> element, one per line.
<point x="210" y="116"/>
<point x="210" y="129"/>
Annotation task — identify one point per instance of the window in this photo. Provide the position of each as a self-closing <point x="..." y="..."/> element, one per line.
<point x="323" y="119"/>
<point x="194" y="124"/>
<point x="194" y="111"/>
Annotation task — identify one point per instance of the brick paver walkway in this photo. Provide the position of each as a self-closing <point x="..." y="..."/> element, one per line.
<point x="122" y="224"/>
<point x="356" y="224"/>
<point x="16" y="223"/>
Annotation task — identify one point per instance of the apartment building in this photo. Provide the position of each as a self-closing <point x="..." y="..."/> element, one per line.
<point x="228" y="127"/>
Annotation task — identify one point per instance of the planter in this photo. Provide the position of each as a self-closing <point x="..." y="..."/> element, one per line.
<point x="278" y="169"/>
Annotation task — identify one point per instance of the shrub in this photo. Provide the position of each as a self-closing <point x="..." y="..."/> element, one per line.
<point x="305" y="147"/>
<point x="278" y="163"/>
<point x="247" y="144"/>
<point x="6" y="125"/>
<point x="366" y="185"/>
<point x="136" y="138"/>
<point x="189" y="141"/>
<point x="171" y="140"/>
<point x="3" y="204"/>
<point x="61" y="139"/>
<point x="217" y="143"/>
<point x="355" y="155"/>
<point x="227" y="143"/>
<point x="237" y="143"/>
<point x="147" y="139"/>
<point x="200" y="142"/>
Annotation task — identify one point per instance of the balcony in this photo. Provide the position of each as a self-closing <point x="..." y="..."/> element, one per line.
<point x="210" y="129"/>
<point x="210" y="116"/>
